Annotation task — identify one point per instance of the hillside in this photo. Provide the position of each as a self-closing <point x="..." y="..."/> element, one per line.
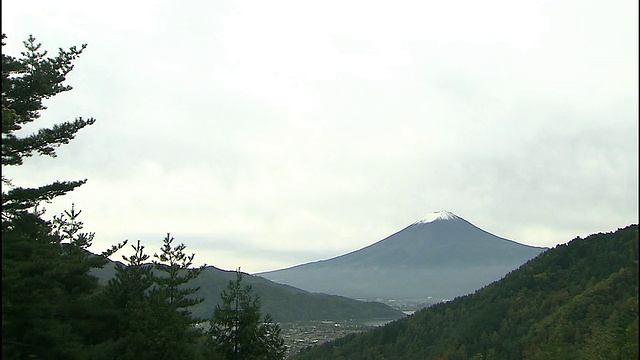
<point x="284" y="303"/>
<point x="578" y="300"/>
<point x="440" y="256"/>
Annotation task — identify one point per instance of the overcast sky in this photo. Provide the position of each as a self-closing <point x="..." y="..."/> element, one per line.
<point x="265" y="134"/>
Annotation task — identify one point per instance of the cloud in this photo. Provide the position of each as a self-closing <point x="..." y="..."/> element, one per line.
<point x="265" y="134"/>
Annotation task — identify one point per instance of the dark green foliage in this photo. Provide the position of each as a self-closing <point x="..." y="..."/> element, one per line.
<point x="47" y="292"/>
<point x="145" y="307"/>
<point x="171" y="296"/>
<point x="578" y="300"/>
<point x="46" y="289"/>
<point x="238" y="330"/>
<point x="286" y="303"/>
<point x="26" y="82"/>
<point x="124" y="308"/>
<point x="176" y="267"/>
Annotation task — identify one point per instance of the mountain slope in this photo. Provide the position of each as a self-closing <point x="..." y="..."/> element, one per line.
<point x="440" y="256"/>
<point x="284" y="303"/>
<point x="578" y="300"/>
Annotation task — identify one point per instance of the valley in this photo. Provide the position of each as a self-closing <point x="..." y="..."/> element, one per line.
<point x="300" y="334"/>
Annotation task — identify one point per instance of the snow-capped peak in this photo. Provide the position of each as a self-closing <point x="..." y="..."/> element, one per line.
<point x="438" y="215"/>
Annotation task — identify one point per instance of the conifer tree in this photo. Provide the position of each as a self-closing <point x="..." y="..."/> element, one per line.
<point x="46" y="286"/>
<point x="237" y="329"/>
<point x="26" y="82"/>
<point x="174" y="298"/>
<point x="147" y="306"/>
<point x="127" y="319"/>
<point x="176" y="267"/>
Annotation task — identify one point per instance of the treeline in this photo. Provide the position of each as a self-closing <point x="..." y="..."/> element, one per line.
<point x="284" y="303"/>
<point x="52" y="307"/>
<point x="576" y="301"/>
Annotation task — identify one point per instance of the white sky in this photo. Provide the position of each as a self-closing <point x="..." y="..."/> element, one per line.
<point x="265" y="134"/>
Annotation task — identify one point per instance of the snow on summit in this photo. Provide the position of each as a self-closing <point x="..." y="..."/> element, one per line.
<point x="438" y="215"/>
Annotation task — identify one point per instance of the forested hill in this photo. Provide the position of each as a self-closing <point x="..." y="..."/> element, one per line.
<point x="284" y="303"/>
<point x="576" y="301"/>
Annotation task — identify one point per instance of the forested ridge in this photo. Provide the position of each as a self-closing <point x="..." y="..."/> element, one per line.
<point x="576" y="301"/>
<point x="284" y="303"/>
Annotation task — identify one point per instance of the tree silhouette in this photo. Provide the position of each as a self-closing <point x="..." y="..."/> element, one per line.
<point x="46" y="285"/>
<point x="146" y="312"/>
<point x="237" y="329"/>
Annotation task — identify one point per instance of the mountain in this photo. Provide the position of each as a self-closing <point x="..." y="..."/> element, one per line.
<point x="284" y="303"/>
<point x="440" y="256"/>
<point x="576" y="301"/>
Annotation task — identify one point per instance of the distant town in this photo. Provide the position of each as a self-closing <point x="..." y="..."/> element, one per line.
<point x="298" y="335"/>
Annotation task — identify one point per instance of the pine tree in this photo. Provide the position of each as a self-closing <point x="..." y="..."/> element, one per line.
<point x="26" y="82"/>
<point x="47" y="291"/>
<point x="146" y="305"/>
<point x="123" y="313"/>
<point x="174" y="298"/>
<point x="237" y="330"/>
<point x="177" y="269"/>
<point x="46" y="287"/>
